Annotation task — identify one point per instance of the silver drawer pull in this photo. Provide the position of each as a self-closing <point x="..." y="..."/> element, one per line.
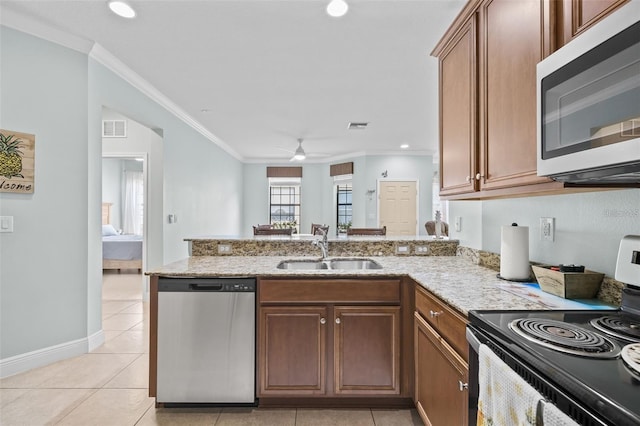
<point x="337" y="320"/>
<point x="435" y="314"/>
<point x="323" y="321"/>
<point x="462" y="386"/>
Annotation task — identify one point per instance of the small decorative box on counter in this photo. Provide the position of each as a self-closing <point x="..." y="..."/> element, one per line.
<point x="570" y="285"/>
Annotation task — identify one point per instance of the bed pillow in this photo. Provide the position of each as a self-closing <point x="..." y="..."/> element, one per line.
<point x="108" y="230"/>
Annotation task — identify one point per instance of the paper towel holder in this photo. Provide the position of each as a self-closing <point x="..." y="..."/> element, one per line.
<point x="529" y="279"/>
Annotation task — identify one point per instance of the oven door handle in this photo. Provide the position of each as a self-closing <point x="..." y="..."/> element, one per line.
<point x="473" y="340"/>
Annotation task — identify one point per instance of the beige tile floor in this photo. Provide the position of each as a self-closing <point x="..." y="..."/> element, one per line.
<point x="109" y="385"/>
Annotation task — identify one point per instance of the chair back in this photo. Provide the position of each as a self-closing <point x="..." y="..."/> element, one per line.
<point x="270" y="230"/>
<point x="316" y="226"/>
<point x="430" y="226"/>
<point x="367" y="231"/>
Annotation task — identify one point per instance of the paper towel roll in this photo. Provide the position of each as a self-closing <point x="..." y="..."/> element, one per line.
<point x="514" y="253"/>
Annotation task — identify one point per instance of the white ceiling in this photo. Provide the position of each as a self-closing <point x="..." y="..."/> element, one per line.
<point x="270" y="72"/>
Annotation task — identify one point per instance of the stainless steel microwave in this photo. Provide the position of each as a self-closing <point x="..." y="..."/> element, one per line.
<point x="589" y="104"/>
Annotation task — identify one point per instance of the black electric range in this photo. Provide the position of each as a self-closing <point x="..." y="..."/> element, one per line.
<point x="595" y="387"/>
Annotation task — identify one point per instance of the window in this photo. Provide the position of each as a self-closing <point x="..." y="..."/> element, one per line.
<point x="344" y="203"/>
<point x="284" y="202"/>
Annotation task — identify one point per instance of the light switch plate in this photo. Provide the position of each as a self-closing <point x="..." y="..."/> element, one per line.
<point x="402" y="249"/>
<point x="458" y="223"/>
<point x="6" y="223"/>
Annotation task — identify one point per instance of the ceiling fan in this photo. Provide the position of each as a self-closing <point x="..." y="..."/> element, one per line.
<point x="299" y="154"/>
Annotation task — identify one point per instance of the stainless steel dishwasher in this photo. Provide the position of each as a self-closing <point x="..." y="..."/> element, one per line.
<point x="206" y="340"/>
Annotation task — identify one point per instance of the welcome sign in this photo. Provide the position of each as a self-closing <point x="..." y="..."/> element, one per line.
<point x="17" y="161"/>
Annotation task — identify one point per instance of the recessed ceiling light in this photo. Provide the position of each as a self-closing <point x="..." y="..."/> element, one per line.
<point x="121" y="8"/>
<point x="404" y="146"/>
<point x="337" y="8"/>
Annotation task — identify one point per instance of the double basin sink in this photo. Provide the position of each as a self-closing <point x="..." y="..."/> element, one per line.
<point x="340" y="264"/>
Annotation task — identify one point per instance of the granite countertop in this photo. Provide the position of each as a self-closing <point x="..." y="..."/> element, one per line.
<point x="455" y="280"/>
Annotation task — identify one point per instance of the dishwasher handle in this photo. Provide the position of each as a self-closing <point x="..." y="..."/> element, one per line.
<point x="206" y="287"/>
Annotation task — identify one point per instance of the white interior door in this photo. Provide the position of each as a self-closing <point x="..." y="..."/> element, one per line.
<point x="397" y="207"/>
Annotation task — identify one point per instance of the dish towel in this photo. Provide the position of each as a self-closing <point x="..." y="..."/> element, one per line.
<point x="505" y="398"/>
<point x="552" y="416"/>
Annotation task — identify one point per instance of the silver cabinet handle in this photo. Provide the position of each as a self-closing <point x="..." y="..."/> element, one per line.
<point x="337" y="320"/>
<point x="462" y="386"/>
<point x="435" y="314"/>
<point x="323" y="321"/>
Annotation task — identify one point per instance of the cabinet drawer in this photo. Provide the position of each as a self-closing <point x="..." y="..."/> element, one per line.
<point x="450" y="324"/>
<point x="357" y="291"/>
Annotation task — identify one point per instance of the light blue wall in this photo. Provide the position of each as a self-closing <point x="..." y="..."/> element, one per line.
<point x="589" y="226"/>
<point x="317" y="193"/>
<point x="43" y="263"/>
<point x="50" y="267"/>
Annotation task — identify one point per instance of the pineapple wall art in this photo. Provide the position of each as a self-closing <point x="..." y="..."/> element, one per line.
<point x="17" y="153"/>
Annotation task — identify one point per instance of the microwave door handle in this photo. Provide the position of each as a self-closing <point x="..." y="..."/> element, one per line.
<point x="473" y="340"/>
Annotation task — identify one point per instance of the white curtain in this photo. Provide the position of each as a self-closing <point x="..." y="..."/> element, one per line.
<point x="133" y="202"/>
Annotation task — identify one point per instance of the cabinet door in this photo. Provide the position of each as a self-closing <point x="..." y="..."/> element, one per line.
<point x="367" y="350"/>
<point x="292" y="344"/>
<point x="514" y="38"/>
<point x="578" y="15"/>
<point x="458" y="112"/>
<point x="441" y="393"/>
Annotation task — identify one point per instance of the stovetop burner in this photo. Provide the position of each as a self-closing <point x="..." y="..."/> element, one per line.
<point x="622" y="328"/>
<point x="565" y="337"/>
<point x="631" y="357"/>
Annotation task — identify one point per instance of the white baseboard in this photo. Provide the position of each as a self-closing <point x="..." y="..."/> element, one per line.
<point x="95" y="340"/>
<point x="24" y="362"/>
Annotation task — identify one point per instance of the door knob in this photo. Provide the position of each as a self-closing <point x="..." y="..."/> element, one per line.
<point x="323" y="321"/>
<point x="337" y="320"/>
<point x="479" y="176"/>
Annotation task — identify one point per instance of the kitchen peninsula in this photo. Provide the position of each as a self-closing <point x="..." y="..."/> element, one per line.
<point x="369" y="337"/>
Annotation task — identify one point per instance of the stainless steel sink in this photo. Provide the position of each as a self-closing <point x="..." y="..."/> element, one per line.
<point x="354" y="264"/>
<point x="341" y="264"/>
<point x="303" y="264"/>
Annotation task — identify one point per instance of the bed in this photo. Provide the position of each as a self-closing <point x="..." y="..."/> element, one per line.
<point x="119" y="251"/>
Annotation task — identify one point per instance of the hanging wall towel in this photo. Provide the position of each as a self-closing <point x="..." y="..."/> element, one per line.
<point x="514" y="253"/>
<point x="505" y="398"/>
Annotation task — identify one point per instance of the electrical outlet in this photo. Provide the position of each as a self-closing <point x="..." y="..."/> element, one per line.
<point x="547" y="229"/>
<point x="402" y="249"/>
<point x="224" y="248"/>
<point x="421" y="249"/>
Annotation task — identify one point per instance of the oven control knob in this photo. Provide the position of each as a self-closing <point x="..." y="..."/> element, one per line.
<point x="462" y="386"/>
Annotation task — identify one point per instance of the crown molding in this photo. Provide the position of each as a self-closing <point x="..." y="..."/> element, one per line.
<point x="25" y="23"/>
<point x="106" y="58"/>
<point x="11" y="18"/>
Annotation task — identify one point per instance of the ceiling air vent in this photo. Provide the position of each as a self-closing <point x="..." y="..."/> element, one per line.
<point x="358" y="126"/>
<point x="114" y="128"/>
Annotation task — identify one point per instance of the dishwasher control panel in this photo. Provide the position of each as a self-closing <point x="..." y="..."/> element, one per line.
<point x="221" y="285"/>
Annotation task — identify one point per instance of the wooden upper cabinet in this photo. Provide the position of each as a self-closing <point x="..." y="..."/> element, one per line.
<point x="515" y="36"/>
<point x="579" y="15"/>
<point x="458" y="117"/>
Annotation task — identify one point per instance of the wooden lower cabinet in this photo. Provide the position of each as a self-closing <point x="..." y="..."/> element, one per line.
<point x="367" y="350"/>
<point x="294" y="353"/>
<point x="292" y="350"/>
<point x="441" y="394"/>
